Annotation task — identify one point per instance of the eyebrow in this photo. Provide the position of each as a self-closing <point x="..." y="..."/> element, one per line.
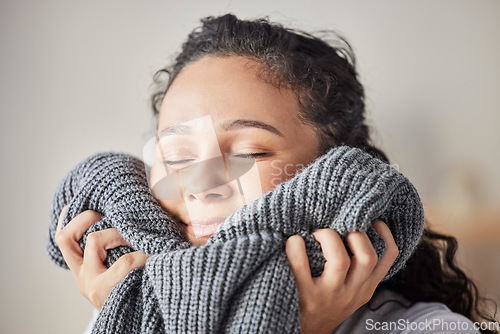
<point x="245" y="123"/>
<point x="176" y="129"/>
<point x="228" y="125"/>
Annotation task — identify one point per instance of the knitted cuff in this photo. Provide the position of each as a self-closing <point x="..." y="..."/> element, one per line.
<point x="115" y="186"/>
<point x="344" y="189"/>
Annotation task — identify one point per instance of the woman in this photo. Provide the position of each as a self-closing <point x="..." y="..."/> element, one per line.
<point x="283" y="98"/>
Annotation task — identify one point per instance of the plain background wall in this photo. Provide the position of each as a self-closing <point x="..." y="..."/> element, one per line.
<point x="75" y="79"/>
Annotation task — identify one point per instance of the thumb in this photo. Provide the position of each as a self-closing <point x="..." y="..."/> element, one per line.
<point x="299" y="263"/>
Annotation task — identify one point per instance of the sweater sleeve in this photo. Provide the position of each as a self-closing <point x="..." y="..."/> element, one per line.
<point x="240" y="280"/>
<point x="242" y="285"/>
<point x="131" y="307"/>
<point x="115" y="186"/>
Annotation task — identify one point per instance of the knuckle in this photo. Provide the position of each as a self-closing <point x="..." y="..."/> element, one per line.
<point x="392" y="252"/>
<point x="326" y="233"/>
<point x="369" y="258"/>
<point x="94" y="239"/>
<point x="341" y="264"/>
<point x="299" y="265"/>
<point x="57" y="237"/>
<point x="126" y="260"/>
<point x="329" y="232"/>
<point x="293" y="245"/>
<point x="91" y="215"/>
<point x="61" y="238"/>
<point x="93" y="296"/>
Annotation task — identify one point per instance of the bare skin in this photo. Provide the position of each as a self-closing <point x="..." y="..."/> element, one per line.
<point x="95" y="281"/>
<point x="229" y="89"/>
<point x="346" y="284"/>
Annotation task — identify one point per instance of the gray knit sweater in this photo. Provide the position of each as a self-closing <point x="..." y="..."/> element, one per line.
<point x="240" y="280"/>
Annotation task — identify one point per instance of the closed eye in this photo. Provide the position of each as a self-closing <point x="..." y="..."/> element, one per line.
<point x="185" y="161"/>
<point x="177" y="162"/>
<point x="249" y="155"/>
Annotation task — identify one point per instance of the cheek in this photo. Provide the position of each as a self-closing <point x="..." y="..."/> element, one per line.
<point x="175" y="207"/>
<point x="156" y="174"/>
<point x="276" y="172"/>
<point x="250" y="184"/>
<point x="271" y="174"/>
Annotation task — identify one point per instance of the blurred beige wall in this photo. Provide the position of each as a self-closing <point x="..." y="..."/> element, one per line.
<point x="75" y="79"/>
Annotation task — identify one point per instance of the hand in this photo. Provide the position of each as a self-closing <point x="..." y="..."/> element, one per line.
<point x="346" y="283"/>
<point x="93" y="278"/>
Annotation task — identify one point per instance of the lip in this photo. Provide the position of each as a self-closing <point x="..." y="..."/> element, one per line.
<point x="204" y="227"/>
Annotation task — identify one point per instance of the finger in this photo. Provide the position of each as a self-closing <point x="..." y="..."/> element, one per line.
<point x="391" y="251"/>
<point x="61" y="217"/>
<point x="337" y="260"/>
<point x="68" y="239"/>
<point x="364" y="258"/>
<point x="124" y="265"/>
<point x="97" y="245"/>
<point x="299" y="263"/>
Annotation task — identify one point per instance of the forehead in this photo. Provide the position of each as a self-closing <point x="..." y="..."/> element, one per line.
<point x="226" y="88"/>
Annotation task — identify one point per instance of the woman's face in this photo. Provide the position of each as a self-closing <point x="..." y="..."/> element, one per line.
<point x="225" y="137"/>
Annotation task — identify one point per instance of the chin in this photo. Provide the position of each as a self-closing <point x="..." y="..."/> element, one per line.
<point x="197" y="241"/>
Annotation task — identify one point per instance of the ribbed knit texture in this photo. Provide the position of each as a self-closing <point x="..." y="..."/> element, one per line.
<point x="240" y="280"/>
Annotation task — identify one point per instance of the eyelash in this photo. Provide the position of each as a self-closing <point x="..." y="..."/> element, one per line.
<point x="177" y="162"/>
<point x="247" y="155"/>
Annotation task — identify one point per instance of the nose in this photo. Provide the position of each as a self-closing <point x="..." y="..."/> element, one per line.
<point x="206" y="181"/>
<point x="216" y="194"/>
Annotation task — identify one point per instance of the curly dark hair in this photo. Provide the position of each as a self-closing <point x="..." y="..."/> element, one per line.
<point x="331" y="99"/>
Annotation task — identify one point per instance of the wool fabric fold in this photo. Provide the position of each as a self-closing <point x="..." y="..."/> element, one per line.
<point x="240" y="280"/>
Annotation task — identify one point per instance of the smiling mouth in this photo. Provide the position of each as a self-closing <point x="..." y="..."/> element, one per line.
<point x="204" y="227"/>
